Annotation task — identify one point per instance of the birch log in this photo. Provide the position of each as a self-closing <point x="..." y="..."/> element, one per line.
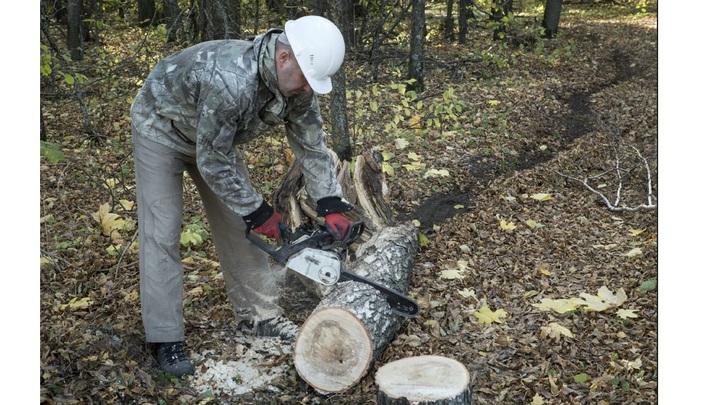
<point x="423" y="380"/>
<point x="352" y="325"/>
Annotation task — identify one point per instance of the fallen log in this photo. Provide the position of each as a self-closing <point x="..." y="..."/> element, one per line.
<point x="423" y="380"/>
<point x="353" y="324"/>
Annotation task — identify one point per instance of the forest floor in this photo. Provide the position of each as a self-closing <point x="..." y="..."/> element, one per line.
<point x="486" y="171"/>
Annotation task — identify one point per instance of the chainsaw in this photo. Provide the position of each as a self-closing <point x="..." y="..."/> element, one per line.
<point x="311" y="251"/>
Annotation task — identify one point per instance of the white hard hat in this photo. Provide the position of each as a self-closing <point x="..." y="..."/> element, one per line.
<point x="319" y="49"/>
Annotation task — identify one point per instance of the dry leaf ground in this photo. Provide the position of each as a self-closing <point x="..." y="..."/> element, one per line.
<point x="555" y="107"/>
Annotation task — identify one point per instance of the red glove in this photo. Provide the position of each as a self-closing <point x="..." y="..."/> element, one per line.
<point x="271" y="227"/>
<point x="338" y="225"/>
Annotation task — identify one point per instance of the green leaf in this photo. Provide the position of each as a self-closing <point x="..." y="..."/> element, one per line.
<point x="423" y="240"/>
<point x="69" y="79"/>
<point x="581" y="378"/>
<point x="51" y="152"/>
<point x="649" y="285"/>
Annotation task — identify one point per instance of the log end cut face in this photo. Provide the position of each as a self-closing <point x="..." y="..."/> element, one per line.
<point x="333" y="350"/>
<point x="423" y="379"/>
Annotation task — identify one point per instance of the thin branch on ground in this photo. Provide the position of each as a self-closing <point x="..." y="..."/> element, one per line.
<point x="620" y="174"/>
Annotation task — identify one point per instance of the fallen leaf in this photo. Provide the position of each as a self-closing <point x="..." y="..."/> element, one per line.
<point x="581" y="378"/>
<point x="75" y="303"/>
<point x="387" y="169"/>
<point x="507" y="226"/>
<point x="604" y="299"/>
<point x="467" y="293"/>
<point x="649" y="285"/>
<point x="636" y="232"/>
<point x="634" y="252"/>
<point x="537" y="400"/>
<point x="451" y="274"/>
<point x="487" y="316"/>
<point x="436" y="173"/>
<point x="541" y="196"/>
<point x="533" y="225"/>
<point x="401" y="143"/>
<point x="109" y="222"/>
<point x="560" y="306"/>
<point x="555" y="331"/>
<point x="626" y="313"/>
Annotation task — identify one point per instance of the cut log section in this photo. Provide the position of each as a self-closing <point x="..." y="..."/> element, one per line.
<point x="352" y="325"/>
<point x="423" y="380"/>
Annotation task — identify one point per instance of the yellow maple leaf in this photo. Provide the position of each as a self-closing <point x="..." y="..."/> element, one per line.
<point x="507" y="226"/>
<point x="414" y="156"/>
<point x="75" y="303"/>
<point x="538" y="400"/>
<point x="414" y="166"/>
<point x="387" y="169"/>
<point x="127" y="204"/>
<point x="541" y="196"/>
<point x="560" y="305"/>
<point x="109" y="222"/>
<point x="487" y="316"/>
<point x="604" y="299"/>
<point x="555" y="331"/>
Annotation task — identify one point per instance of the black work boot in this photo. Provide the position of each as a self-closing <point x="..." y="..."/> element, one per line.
<point x="171" y="357"/>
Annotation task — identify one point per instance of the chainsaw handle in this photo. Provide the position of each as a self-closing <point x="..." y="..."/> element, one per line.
<point x="353" y="234"/>
<point x="281" y="254"/>
<point x="302" y="238"/>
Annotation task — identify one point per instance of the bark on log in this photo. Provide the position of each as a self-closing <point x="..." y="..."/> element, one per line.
<point x="423" y="380"/>
<point x="353" y="324"/>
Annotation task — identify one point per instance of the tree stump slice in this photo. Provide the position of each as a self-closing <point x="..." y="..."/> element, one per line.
<point x="424" y="380"/>
<point x="353" y="324"/>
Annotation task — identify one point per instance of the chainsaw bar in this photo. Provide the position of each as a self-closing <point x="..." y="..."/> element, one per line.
<point x="399" y="303"/>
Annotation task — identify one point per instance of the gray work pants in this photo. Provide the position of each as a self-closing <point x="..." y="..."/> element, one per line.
<point x="251" y="286"/>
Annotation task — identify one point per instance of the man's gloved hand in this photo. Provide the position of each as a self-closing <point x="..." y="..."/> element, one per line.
<point x="271" y="227"/>
<point x="265" y="221"/>
<point x="338" y="225"/>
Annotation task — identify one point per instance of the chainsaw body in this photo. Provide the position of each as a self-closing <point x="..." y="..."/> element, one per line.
<point x="312" y="252"/>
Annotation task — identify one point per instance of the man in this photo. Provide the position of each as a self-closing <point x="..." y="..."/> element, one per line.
<point x="195" y="108"/>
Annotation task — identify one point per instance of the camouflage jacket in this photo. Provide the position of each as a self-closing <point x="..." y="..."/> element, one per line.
<point x="208" y="99"/>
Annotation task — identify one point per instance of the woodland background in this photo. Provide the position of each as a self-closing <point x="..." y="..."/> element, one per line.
<point x="482" y="144"/>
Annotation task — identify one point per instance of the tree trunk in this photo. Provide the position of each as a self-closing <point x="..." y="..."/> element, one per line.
<point x="449" y="22"/>
<point x="423" y="380"/>
<point x="353" y="324"/>
<point x="551" y="17"/>
<point x="340" y="132"/>
<point x="463" y="14"/>
<point x="74" y="29"/>
<point x="146" y="13"/>
<point x="220" y="19"/>
<point x="171" y="17"/>
<point x="417" y="41"/>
